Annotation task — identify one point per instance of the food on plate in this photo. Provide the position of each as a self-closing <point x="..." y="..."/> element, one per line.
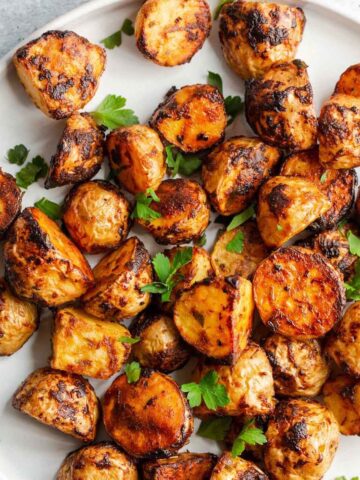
<point x="180" y="467"/>
<point x="239" y="425"/>
<point x="236" y="468"/>
<point x="10" y="201"/>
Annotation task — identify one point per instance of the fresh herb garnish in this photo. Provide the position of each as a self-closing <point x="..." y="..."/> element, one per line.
<point x="115" y="39"/>
<point x="128" y="27"/>
<point x="353" y="287"/>
<point x="32" y="171"/>
<point x="215" y="428"/>
<point x="279" y="227"/>
<point x="51" y="209"/>
<point x="200" y="242"/>
<point x="220" y="6"/>
<point x="241" y="218"/>
<point x="208" y="390"/>
<point x="179" y="163"/>
<point x="345" y="478"/>
<point x="112" y="114"/>
<point x="249" y="435"/>
<point x="133" y="372"/>
<point x="131" y="340"/>
<point x="215" y="80"/>
<point x="324" y="177"/>
<point x="236" y="245"/>
<point x="233" y="104"/>
<point x="341" y="225"/>
<point x="18" y="154"/>
<point x="354" y="243"/>
<point x="142" y="208"/>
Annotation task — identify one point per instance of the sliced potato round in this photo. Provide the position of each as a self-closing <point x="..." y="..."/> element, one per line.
<point x="10" y="201"/>
<point x="236" y="468"/>
<point x="184" y="466"/>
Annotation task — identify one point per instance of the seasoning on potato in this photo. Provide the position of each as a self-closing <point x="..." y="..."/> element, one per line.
<point x="10" y="201"/>
<point x="229" y="467"/>
<point x="180" y="467"/>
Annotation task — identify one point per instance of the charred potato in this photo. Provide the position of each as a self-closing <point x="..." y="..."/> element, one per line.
<point x="96" y="216"/>
<point x="61" y="400"/>
<point x="235" y="170"/>
<point x="236" y="468"/>
<point x="42" y="264"/>
<point x="192" y="118"/>
<point x="171" y="32"/>
<point x="180" y="467"/>
<point x="215" y="317"/>
<point x="279" y="107"/>
<point x="302" y="439"/>
<point x="119" y="277"/>
<point x="10" y="201"/>
<point x="137" y="157"/>
<point x="60" y="71"/>
<point x="148" y="418"/>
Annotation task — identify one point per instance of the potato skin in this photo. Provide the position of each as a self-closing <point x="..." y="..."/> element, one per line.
<point x="96" y="216"/>
<point x="137" y="157"/>
<point x="41" y="264"/>
<point x="348" y="83"/>
<point x="153" y="417"/>
<point x="192" y="118"/>
<point x="61" y="400"/>
<point x="10" y="201"/>
<point x="234" y="171"/>
<point x="180" y="467"/>
<point x="280" y="109"/>
<point x="119" y="277"/>
<point x="229" y="467"/>
<point x="302" y="438"/>
<point x="171" y="32"/>
<point x="60" y="71"/>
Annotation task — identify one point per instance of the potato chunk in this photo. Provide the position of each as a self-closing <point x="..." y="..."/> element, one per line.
<point x="148" y="418"/>
<point x="184" y="466"/>
<point x="42" y="264"/>
<point x="60" y="71"/>
<point x="280" y="109"/>
<point x="86" y="345"/>
<point x="235" y="170"/>
<point x="171" y="32"/>
<point x="10" y="201"/>
<point x="215" y="317"/>
<point x="61" y="400"/>
<point x="236" y="468"/>
<point x="298" y="293"/>
<point x="192" y="118"/>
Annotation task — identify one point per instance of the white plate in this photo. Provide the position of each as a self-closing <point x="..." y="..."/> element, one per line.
<point x="29" y="450"/>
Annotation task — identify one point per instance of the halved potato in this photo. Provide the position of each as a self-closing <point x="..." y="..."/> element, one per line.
<point x="10" y="201"/>
<point x="184" y="466"/>
<point x="236" y="468"/>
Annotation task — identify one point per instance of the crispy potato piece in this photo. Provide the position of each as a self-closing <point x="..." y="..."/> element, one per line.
<point x="342" y="397"/>
<point x="137" y="157"/>
<point x="349" y="83"/>
<point x="42" y="264"/>
<point x="280" y="109"/>
<point x="119" y="277"/>
<point x="97" y="462"/>
<point x="235" y="170"/>
<point x="171" y="32"/>
<point x="153" y="417"/>
<point x="236" y="468"/>
<point x="227" y="263"/>
<point x="96" y="216"/>
<point x="180" y="467"/>
<point x="302" y="438"/>
<point x="184" y="211"/>
<point x="215" y="317"/>
<point x="10" y="201"/>
<point x="86" y="345"/>
<point x="192" y="118"/>
<point x="287" y="205"/>
<point x="298" y="293"/>
<point x="256" y="35"/>
<point x="61" y="400"/>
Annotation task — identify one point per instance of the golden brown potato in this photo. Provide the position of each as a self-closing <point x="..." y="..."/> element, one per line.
<point x="79" y="154"/>
<point x="18" y="320"/>
<point x="302" y="438"/>
<point x="98" y="462"/>
<point x="236" y="468"/>
<point x="119" y="277"/>
<point x="235" y="170"/>
<point x="171" y="32"/>
<point x="256" y="35"/>
<point x="215" y="317"/>
<point x="279" y="107"/>
<point x="42" y="264"/>
<point x="298" y="293"/>
<point x="148" y="418"/>
<point x="342" y="397"/>
<point x="60" y="71"/>
<point x="61" y="400"/>
<point x="349" y="83"/>
<point x="10" y="201"/>
<point x="299" y="367"/>
<point x="88" y="346"/>
<point x="137" y="157"/>
<point x="192" y="118"/>
<point x="184" y="466"/>
<point x="184" y="211"/>
<point x="96" y="216"/>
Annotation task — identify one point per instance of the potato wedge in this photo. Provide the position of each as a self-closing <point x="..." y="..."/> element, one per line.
<point x="184" y="466"/>
<point x="10" y="201"/>
<point x="236" y="468"/>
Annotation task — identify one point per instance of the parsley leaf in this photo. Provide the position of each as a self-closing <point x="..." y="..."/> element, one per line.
<point x="241" y="218"/>
<point x="208" y="390"/>
<point x="51" y="209"/>
<point x="324" y="177"/>
<point x="133" y="372"/>
<point x="233" y="106"/>
<point x="219" y="7"/>
<point x="32" y="171"/>
<point x="279" y="227"/>
<point x="128" y="27"/>
<point x="115" y="39"/>
<point x="18" y="154"/>
<point x="236" y="245"/>
<point x="111" y="113"/>
<point x="353" y="287"/>
<point x="183" y="164"/>
<point x="249" y="435"/>
<point x="345" y="478"/>
<point x="129" y="340"/>
<point x="341" y="225"/>
<point x="214" y="428"/>
<point x="162" y="266"/>
<point x="215" y="80"/>
<point x="354" y="243"/>
<point x="142" y="207"/>
<point x="200" y="242"/>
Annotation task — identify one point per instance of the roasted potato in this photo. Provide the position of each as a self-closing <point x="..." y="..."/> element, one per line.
<point x="119" y="277"/>
<point x="88" y="346"/>
<point x="302" y="439"/>
<point x="184" y="211"/>
<point x="96" y="216"/>
<point x="256" y="35"/>
<point x="98" y="462"/>
<point x="171" y="32"/>
<point x="60" y="71"/>
<point x="236" y="468"/>
<point x="148" y="418"/>
<point x="279" y="107"/>
<point x="61" y="400"/>
<point x="79" y="154"/>
<point x="10" y="201"/>
<point x="42" y="264"/>
<point x="192" y="118"/>
<point x="287" y="206"/>
<point x="137" y="157"/>
<point x="235" y="170"/>
<point x="18" y="320"/>
<point x="184" y="466"/>
<point x="215" y="317"/>
<point x="299" y="367"/>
